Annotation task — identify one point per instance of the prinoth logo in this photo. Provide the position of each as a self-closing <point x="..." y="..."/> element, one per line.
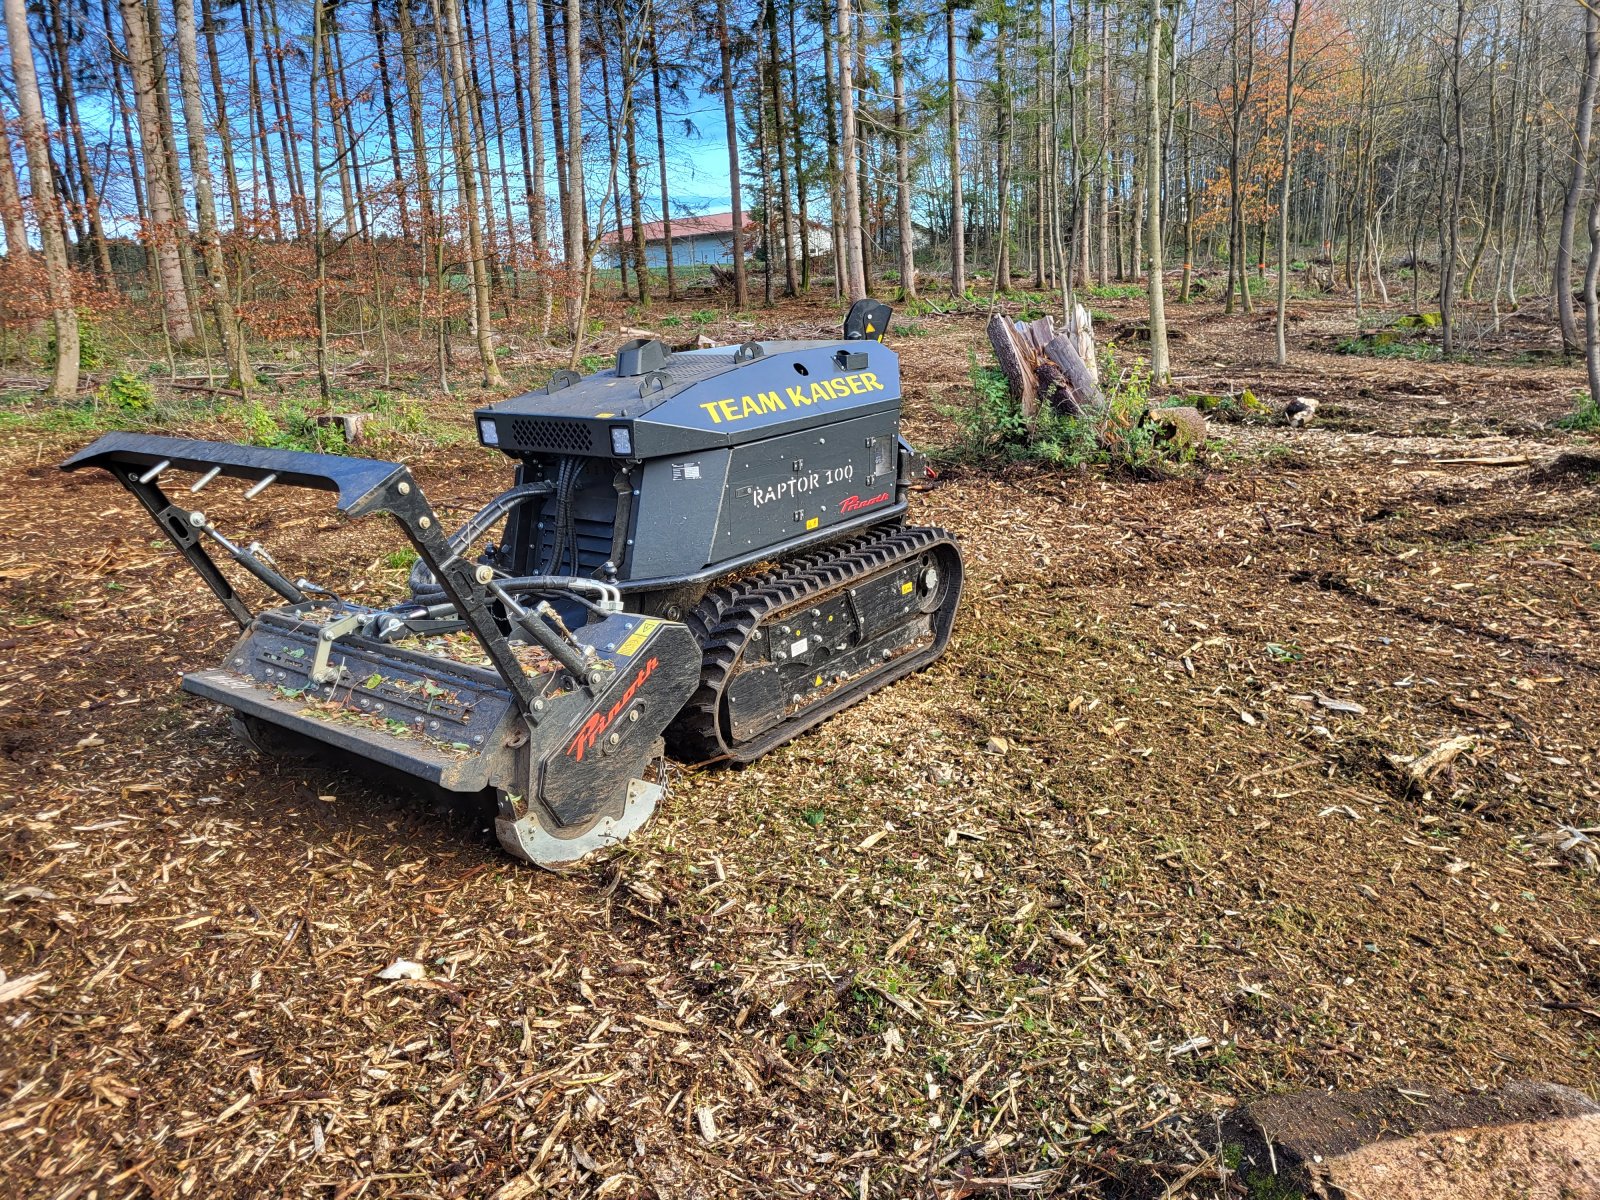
<point x="599" y="722"/>
<point x="852" y="503"/>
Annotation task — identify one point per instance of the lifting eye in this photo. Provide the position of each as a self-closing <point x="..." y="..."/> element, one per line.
<point x="800" y="369"/>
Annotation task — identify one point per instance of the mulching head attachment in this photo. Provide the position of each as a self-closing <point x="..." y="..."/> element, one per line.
<point x="486" y="688"/>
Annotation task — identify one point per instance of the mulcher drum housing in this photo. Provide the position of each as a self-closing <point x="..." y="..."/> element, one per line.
<point x="705" y="547"/>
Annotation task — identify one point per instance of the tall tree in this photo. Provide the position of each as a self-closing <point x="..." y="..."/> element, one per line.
<point x="229" y="331"/>
<point x="46" y="207"/>
<point x="219" y="103"/>
<point x="577" y="214"/>
<point x="1156" y="285"/>
<point x="855" y="267"/>
<point x="741" y="292"/>
<point x="459" y="99"/>
<point x="660" y="107"/>
<point x="780" y="137"/>
<point x="164" y="228"/>
<point x="73" y="133"/>
<point x="11" y="216"/>
<point x="1282" y="346"/>
<point x="902" y="156"/>
<point x="958" y="228"/>
<point x="1581" y="129"/>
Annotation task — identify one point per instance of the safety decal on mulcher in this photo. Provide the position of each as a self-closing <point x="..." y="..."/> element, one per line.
<point x="599" y="722"/>
<point x="636" y="639"/>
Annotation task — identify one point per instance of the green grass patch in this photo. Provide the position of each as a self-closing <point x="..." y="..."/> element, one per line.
<point x="1585" y="418"/>
<point x="1114" y="291"/>
<point x="1384" y="343"/>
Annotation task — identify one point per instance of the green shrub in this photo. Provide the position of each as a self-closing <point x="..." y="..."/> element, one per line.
<point x="126" y="392"/>
<point x="704" y="316"/>
<point x="993" y="426"/>
<point x="260" y="426"/>
<point x="670" y="322"/>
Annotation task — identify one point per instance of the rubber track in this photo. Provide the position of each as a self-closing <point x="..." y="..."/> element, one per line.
<point x="726" y="617"/>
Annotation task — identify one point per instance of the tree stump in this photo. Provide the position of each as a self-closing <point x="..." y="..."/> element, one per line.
<point x="1041" y="360"/>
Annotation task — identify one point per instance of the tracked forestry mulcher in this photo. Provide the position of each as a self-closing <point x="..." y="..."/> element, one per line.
<point x="704" y="552"/>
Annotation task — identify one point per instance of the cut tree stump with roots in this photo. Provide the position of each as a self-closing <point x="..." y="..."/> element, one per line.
<point x="1043" y="361"/>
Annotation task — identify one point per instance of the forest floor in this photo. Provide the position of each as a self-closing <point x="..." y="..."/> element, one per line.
<point x="1140" y="847"/>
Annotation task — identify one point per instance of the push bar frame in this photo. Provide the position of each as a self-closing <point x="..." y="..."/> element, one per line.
<point x="363" y="486"/>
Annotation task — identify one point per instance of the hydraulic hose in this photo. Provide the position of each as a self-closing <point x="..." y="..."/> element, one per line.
<point x="424" y="588"/>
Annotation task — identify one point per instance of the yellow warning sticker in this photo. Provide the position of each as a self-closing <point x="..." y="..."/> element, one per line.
<point x="812" y="522"/>
<point x="907" y="588"/>
<point x="637" y="638"/>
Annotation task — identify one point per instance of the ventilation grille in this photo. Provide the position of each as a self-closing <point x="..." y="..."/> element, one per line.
<point x="559" y="437"/>
<point x="594" y="546"/>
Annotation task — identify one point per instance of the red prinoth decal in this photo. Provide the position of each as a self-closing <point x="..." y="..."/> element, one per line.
<point x="851" y="503"/>
<point x="599" y="722"/>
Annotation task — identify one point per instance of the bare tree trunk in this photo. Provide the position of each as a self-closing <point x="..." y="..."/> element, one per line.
<point x="764" y="167"/>
<point x="1283" y="191"/>
<point x="958" y="226"/>
<point x="1004" y="112"/>
<point x="319" y="229"/>
<point x="46" y="209"/>
<point x="1105" y="144"/>
<point x="1451" y="243"/>
<point x="351" y="135"/>
<point x="801" y="184"/>
<point x="780" y="136"/>
<point x="855" y="272"/>
<point x="1159" y="369"/>
<point x="521" y="90"/>
<point x="163" y="226"/>
<point x="173" y="168"/>
<point x="902" y="158"/>
<point x="91" y="197"/>
<point x="835" y="186"/>
<point x="431" y="265"/>
<point x="1591" y="303"/>
<point x="659" y="104"/>
<point x="478" y="136"/>
<point x="741" y="293"/>
<point x="380" y="34"/>
<point x="219" y="101"/>
<point x="630" y="137"/>
<point x="538" y="203"/>
<point x="557" y="129"/>
<point x="283" y="111"/>
<point x="460" y="94"/>
<point x="1576" y="183"/>
<point x="258" y="129"/>
<point x="577" y="216"/>
<point x="11" y="199"/>
<point x="228" y="330"/>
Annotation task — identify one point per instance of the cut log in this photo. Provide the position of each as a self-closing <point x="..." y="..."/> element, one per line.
<point x="1063" y="351"/>
<point x="1056" y="391"/>
<point x="1016" y="365"/>
<point x="1180" y="424"/>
